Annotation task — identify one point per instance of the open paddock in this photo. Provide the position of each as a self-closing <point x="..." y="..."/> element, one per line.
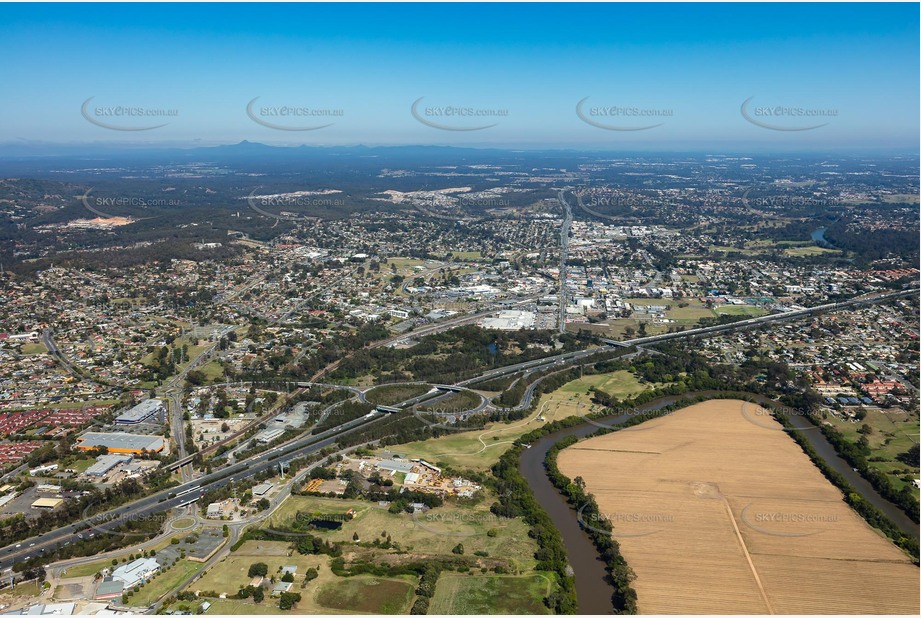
<point x="743" y="519"/>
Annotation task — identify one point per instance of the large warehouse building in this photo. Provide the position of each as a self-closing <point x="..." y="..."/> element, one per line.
<point x="509" y="320"/>
<point x="118" y="442"/>
<point x="150" y="410"/>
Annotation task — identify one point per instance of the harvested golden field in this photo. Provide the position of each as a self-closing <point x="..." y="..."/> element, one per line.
<point x="718" y="511"/>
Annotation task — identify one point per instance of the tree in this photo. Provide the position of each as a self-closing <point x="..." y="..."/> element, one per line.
<point x="288" y="600"/>
<point x="258" y="569"/>
<point x="458" y="549"/>
<point x="258" y="594"/>
<point x="909" y="457"/>
<point x="287" y="577"/>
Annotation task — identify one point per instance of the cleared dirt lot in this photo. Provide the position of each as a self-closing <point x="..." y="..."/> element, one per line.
<point x="718" y="511"/>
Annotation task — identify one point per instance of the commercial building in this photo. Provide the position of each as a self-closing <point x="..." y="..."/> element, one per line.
<point x="510" y="320"/>
<point x="42" y="609"/>
<point x="47" y="503"/>
<point x="110" y="588"/>
<point x="7" y="499"/>
<point x="119" y="442"/>
<point x="43" y="469"/>
<point x="134" y="573"/>
<point x="215" y="510"/>
<point x="105" y="463"/>
<point x="262" y="489"/>
<point x="393" y="465"/>
<point x="267" y="435"/>
<point x="150" y="409"/>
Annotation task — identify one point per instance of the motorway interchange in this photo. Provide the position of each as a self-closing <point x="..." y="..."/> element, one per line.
<point x="191" y="490"/>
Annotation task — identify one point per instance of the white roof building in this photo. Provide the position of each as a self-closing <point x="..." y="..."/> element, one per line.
<point x="135" y="572"/>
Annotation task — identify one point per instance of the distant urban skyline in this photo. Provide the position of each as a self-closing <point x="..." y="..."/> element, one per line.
<point x="643" y="77"/>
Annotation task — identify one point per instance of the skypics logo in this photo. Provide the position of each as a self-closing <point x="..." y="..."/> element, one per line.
<point x="125" y="118"/>
<point x="120" y="524"/>
<point x="764" y="418"/>
<point x="617" y="419"/>
<point x="460" y="523"/>
<point x="455" y="118"/>
<point x="295" y="200"/>
<point x="305" y="524"/>
<point x="624" y="524"/>
<point x="785" y="523"/>
<point x="449" y="417"/>
<point x="95" y="204"/>
<point x="283" y="117"/>
<point x="779" y="202"/>
<point x="784" y="117"/>
<point x="592" y="116"/>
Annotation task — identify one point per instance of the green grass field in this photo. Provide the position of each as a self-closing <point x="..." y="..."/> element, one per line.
<point x="493" y="594"/>
<point x="81" y="465"/>
<point x="617" y="329"/>
<point x="723" y="250"/>
<point x="28" y="349"/>
<point x="90" y="568"/>
<point x="389" y="394"/>
<point x="467" y="255"/>
<point x="436" y="531"/>
<point x="230" y="574"/>
<point x="481" y="448"/>
<point x="368" y="595"/>
<point x="811" y="250"/>
<point x="620" y="384"/>
<point x="404" y="265"/>
<point x="165" y="582"/>
<point x="748" y="310"/>
<point x="459" y="402"/>
<point x="893" y="432"/>
<point x="236" y="607"/>
<point x="213" y="371"/>
<point x="686" y="315"/>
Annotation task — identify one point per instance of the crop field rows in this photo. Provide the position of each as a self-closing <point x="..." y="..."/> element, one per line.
<point x="720" y="512"/>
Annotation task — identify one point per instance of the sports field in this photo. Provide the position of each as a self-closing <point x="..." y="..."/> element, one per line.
<point x="741" y="517"/>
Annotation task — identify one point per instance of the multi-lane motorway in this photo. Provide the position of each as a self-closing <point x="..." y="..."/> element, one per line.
<point x="564" y="256"/>
<point x="165" y="500"/>
<point x="168" y="499"/>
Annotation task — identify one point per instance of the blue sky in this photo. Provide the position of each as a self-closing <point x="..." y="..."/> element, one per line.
<point x="695" y="63"/>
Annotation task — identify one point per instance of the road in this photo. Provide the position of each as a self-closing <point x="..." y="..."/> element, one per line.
<point x="765" y="319"/>
<point x="55" y="351"/>
<point x="161" y="501"/>
<point x="429" y="329"/>
<point x="171" y="391"/>
<point x="564" y="256"/>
